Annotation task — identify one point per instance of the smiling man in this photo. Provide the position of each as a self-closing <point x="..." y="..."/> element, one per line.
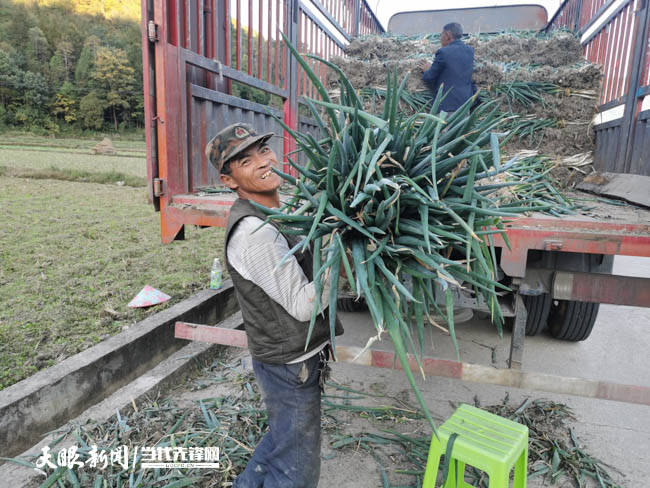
<point x="276" y="303"/>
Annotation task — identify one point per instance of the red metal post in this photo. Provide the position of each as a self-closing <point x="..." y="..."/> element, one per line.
<point x="644" y="75"/>
<point x="187" y="28"/>
<point x="259" y="40"/>
<point x="304" y="35"/>
<point x="196" y="9"/>
<point x="619" y="68"/>
<point x="168" y="93"/>
<point x="227" y="22"/>
<point x="268" y="43"/>
<point x="616" y="50"/>
<point x="250" y="37"/>
<point x="285" y="23"/>
<point x="628" y="51"/>
<point x="278" y="40"/>
<point x="148" y="80"/>
<point x="225" y="48"/>
<point x="300" y="47"/>
<point x="619" y="65"/>
<point x="291" y="103"/>
<point x="169" y="24"/>
<point x="238" y="36"/>
<point x="320" y="53"/>
<point x="601" y="55"/>
<point x="311" y="49"/>
<point x="608" y="60"/>
<point x="641" y="33"/>
<point x="213" y="28"/>
<point x="609" y="33"/>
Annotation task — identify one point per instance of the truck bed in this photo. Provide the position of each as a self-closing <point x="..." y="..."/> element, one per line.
<point x="603" y="227"/>
<point x="615" y="228"/>
<point x="601" y="209"/>
<point x="217" y="205"/>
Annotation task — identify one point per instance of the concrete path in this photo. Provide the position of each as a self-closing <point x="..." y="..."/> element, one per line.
<point x="618" y="350"/>
<point x="617" y="433"/>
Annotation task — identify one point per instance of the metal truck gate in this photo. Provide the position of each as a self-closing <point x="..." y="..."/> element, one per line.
<point x="616" y="35"/>
<point x="210" y="63"/>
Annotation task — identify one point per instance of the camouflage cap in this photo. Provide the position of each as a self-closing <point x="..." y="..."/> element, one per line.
<point x="231" y="141"/>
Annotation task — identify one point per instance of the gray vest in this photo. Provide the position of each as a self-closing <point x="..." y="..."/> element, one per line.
<point x="274" y="336"/>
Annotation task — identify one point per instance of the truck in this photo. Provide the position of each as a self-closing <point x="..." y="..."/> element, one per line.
<point x="215" y="62"/>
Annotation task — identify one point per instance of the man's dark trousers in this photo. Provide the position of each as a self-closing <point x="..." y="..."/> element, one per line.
<point x="289" y="454"/>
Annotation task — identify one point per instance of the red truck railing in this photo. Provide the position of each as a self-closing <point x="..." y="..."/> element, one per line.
<point x="209" y="63"/>
<point x="616" y="35"/>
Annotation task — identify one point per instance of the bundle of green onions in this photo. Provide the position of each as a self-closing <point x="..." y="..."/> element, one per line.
<point x="413" y="101"/>
<point x="528" y="126"/>
<point x="523" y="93"/>
<point x="393" y="198"/>
<point x="531" y="180"/>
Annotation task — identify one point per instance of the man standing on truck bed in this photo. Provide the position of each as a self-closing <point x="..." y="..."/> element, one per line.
<point x="452" y="69"/>
<point x="276" y="303"/>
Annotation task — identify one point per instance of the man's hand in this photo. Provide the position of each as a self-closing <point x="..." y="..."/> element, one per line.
<point x="423" y="64"/>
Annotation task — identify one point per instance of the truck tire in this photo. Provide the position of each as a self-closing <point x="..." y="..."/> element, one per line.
<point x="538" y="308"/>
<point x="571" y="320"/>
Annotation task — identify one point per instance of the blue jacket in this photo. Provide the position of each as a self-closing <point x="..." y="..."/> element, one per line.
<point x="452" y="67"/>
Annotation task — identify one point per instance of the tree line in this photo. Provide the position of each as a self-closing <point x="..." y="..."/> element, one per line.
<point x="70" y="65"/>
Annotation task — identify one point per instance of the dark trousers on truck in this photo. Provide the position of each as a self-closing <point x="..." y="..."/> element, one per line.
<point x="289" y="454"/>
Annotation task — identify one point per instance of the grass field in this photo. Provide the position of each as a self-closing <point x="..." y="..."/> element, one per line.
<point x="73" y="254"/>
<point x="129" y="143"/>
<point x="42" y="159"/>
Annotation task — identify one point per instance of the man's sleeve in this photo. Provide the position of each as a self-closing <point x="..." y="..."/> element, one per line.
<point x="260" y="253"/>
<point x="431" y="75"/>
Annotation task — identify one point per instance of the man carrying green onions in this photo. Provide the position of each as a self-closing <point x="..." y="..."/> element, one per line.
<point x="276" y="297"/>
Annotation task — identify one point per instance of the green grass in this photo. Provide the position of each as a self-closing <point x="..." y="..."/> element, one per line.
<point x="120" y="153"/>
<point x="55" y="173"/>
<point x="38" y="159"/>
<point x="73" y="254"/>
<point x="133" y="141"/>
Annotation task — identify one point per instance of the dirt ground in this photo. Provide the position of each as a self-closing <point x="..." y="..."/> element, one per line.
<point x="362" y="408"/>
<point x="362" y="403"/>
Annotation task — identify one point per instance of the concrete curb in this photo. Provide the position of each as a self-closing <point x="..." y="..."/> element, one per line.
<point x="161" y="378"/>
<point x="48" y="399"/>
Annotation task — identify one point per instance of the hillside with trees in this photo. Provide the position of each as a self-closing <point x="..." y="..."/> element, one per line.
<point x="69" y="66"/>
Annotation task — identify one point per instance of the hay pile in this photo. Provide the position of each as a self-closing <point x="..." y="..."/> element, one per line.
<point x="104" y="147"/>
<point x="499" y="59"/>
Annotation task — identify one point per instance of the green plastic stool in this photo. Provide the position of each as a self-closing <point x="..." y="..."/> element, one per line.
<point x="486" y="441"/>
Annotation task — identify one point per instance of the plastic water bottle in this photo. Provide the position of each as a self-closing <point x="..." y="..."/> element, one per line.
<point x="216" y="274"/>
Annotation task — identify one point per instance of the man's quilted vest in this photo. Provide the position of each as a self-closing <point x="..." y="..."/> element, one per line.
<point x="274" y="336"/>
